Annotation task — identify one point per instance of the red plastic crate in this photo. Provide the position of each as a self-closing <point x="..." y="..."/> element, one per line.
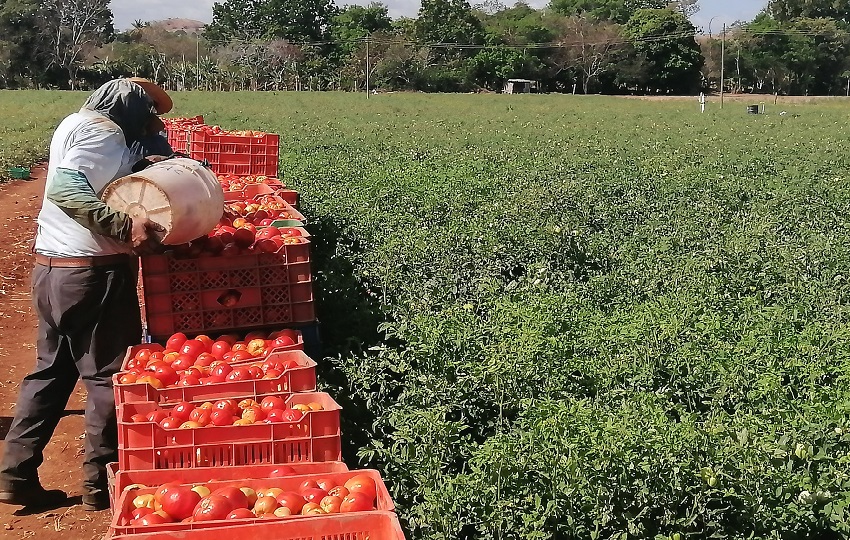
<point x="236" y="154"/>
<point x="118" y="480"/>
<point x="374" y="525"/>
<point x="300" y="379"/>
<point x="146" y="445"/>
<point x="178" y="131"/>
<point x="207" y="294"/>
<point x="124" y="504"/>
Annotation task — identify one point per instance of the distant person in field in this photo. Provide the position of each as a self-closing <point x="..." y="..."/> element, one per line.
<point x="84" y="289"/>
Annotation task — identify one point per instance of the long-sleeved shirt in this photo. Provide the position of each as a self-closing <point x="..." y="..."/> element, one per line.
<point x="87" y="152"/>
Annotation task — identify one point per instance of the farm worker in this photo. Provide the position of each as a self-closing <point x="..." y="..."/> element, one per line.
<point x="84" y="290"/>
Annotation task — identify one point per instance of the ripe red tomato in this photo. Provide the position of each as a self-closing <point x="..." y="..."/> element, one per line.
<point x="180" y="502"/>
<point x="183" y="362"/>
<point x="272" y="402"/>
<point x="212" y="507"/>
<point x="193" y="348"/>
<point x="139" y="417"/>
<point x="141" y="512"/>
<point x="241" y="513"/>
<point x="356" y="502"/>
<point x="291" y="500"/>
<point x="283" y="341"/>
<point x="235" y="495"/>
<point x="268" y="232"/>
<point x="220" y="348"/>
<point x="175" y="341"/>
<point x="151" y="519"/>
<point x="201" y="416"/>
<point x="307" y="484"/>
<point x="241" y="373"/>
<point x="166" y="374"/>
<point x="128" y="378"/>
<point x="314" y="494"/>
<point x="221" y="418"/>
<point x="206" y="340"/>
<point x="221" y="370"/>
<point x="325" y="483"/>
<point x="227" y="405"/>
<point x="157" y="416"/>
<point x="181" y="411"/>
<point x="171" y="423"/>
<point x="206" y="359"/>
<point x="363" y="484"/>
<point x="238" y="356"/>
<point x="189" y="380"/>
<point x="275" y="416"/>
<point x="163" y="490"/>
<point x="256" y="372"/>
<point x="292" y="415"/>
<point x="282" y="471"/>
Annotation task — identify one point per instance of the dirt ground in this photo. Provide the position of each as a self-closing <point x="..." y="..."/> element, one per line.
<point x="19" y="205"/>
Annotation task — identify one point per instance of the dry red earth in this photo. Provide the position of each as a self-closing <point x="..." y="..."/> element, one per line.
<point x="19" y="205"/>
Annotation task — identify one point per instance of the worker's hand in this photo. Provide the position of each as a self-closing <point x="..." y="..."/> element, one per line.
<point x="142" y="237"/>
<point x="156" y="159"/>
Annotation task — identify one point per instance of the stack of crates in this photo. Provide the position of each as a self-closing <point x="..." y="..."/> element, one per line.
<point x="240" y="299"/>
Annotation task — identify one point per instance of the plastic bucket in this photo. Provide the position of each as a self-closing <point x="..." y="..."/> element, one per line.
<point x="179" y="194"/>
<point x="752" y="109"/>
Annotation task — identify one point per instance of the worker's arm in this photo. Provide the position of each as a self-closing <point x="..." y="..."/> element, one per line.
<point x="71" y="191"/>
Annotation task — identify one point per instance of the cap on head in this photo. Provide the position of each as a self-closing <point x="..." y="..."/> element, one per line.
<point x="162" y="101"/>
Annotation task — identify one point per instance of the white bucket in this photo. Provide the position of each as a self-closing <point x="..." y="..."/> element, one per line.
<point x="179" y="194"/>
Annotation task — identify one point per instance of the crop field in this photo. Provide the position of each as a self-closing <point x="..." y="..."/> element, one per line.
<point x="553" y="317"/>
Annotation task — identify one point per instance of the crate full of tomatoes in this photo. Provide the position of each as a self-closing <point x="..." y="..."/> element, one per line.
<point x="347" y="504"/>
<point x="245" y="188"/>
<point x="119" y="480"/>
<point x="200" y="369"/>
<point x="238" y="152"/>
<point x="272" y="429"/>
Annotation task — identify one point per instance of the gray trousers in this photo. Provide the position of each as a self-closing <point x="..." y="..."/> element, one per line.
<point x="87" y="317"/>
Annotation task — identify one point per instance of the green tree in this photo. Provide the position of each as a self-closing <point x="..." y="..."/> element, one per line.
<point x="618" y="11"/>
<point x="517" y="25"/>
<point x="356" y="22"/>
<point x="665" y="39"/>
<point x="448" y="21"/>
<point x="787" y="10"/>
<point x="70" y="27"/>
<point x="490" y="68"/>
<point x="249" y="20"/>
<point x="21" y="63"/>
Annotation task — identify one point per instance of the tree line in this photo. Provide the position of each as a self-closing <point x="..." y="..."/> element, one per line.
<point x="582" y="46"/>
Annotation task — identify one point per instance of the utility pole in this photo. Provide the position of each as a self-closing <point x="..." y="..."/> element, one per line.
<point x="197" y="62"/>
<point x="367" y="67"/>
<point x="722" y="63"/>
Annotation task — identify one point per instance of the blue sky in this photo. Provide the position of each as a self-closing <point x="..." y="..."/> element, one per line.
<point x="126" y="11"/>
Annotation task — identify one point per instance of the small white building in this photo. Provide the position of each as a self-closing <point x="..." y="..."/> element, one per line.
<point x="520" y="86"/>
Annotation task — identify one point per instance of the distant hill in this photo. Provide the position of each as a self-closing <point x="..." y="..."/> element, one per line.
<point x="189" y="26"/>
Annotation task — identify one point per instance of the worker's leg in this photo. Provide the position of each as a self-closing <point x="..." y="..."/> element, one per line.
<point x="99" y="349"/>
<point x="43" y="394"/>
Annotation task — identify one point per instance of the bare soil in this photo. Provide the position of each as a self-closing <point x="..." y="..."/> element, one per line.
<point x="20" y="202"/>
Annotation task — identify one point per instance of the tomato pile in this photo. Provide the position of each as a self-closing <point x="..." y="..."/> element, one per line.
<point x="186" y="503"/>
<point x="198" y="361"/>
<point x="227" y="412"/>
<point x="233" y="182"/>
<point x="217" y="130"/>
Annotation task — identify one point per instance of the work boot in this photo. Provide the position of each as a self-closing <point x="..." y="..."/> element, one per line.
<point x="33" y="497"/>
<point x="95" y="502"/>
